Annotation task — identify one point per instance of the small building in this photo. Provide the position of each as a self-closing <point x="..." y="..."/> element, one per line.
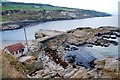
<point x="36" y="6"/>
<point x="17" y="49"/>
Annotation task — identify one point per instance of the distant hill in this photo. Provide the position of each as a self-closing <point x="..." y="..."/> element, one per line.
<point x="24" y="14"/>
<point x="31" y="6"/>
<point x="10" y="10"/>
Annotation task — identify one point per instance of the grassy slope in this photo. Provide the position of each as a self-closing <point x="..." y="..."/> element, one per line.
<point x="0" y="64"/>
<point x="32" y="13"/>
<point x="12" y="68"/>
<point x="27" y="6"/>
<point x="30" y="7"/>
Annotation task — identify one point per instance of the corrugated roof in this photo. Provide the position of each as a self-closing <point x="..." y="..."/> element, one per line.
<point x="15" y="47"/>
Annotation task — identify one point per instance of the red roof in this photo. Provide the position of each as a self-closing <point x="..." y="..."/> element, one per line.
<point x="15" y="47"/>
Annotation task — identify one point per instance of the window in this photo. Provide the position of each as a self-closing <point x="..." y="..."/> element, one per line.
<point x="16" y="52"/>
<point x="22" y="50"/>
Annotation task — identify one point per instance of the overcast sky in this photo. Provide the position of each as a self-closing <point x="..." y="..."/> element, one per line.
<point x="109" y="6"/>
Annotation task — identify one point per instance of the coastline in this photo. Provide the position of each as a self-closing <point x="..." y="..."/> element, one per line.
<point x="44" y="41"/>
<point x="69" y="42"/>
<point x="50" y="46"/>
<point x="14" y="25"/>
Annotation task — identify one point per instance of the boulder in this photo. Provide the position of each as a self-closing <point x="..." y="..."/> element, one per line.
<point x="99" y="64"/>
<point x="67" y="75"/>
<point x="111" y="64"/>
<point x="40" y="35"/>
<point x="34" y="66"/>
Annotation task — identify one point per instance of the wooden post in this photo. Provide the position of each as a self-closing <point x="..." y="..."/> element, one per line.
<point x="26" y="38"/>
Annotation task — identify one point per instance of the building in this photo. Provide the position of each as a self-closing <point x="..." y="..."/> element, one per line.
<point x="17" y="49"/>
<point x="36" y="6"/>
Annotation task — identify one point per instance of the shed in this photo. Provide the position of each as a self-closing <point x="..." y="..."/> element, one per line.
<point x="17" y="49"/>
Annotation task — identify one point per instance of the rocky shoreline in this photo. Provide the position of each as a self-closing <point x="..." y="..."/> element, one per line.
<point x="102" y="69"/>
<point x="16" y="19"/>
<point x="80" y="36"/>
<point x="51" y="59"/>
<point x="50" y="49"/>
<point x="13" y="25"/>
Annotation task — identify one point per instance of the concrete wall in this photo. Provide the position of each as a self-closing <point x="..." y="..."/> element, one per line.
<point x="54" y="41"/>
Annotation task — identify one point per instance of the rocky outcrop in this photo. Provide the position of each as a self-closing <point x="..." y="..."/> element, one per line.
<point x="46" y="33"/>
<point x="55" y="66"/>
<point x="12" y="25"/>
<point x="79" y="72"/>
<point x="78" y="36"/>
<point x="96" y="36"/>
<point x="111" y="64"/>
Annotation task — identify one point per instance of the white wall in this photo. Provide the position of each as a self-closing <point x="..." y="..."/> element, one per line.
<point x="17" y="55"/>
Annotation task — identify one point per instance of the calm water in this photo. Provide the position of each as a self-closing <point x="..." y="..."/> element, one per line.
<point x="86" y="54"/>
<point x="61" y="26"/>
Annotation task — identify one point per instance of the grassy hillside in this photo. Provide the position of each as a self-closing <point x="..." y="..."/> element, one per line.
<point x="30" y="6"/>
<point x="22" y="14"/>
<point x="12" y="68"/>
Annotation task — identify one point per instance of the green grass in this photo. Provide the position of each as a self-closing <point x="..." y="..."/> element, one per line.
<point x="0" y="64"/>
<point x="17" y="7"/>
<point x="26" y="8"/>
<point x="4" y="18"/>
<point x="30" y="7"/>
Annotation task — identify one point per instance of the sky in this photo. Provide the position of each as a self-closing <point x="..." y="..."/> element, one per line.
<point x="109" y="6"/>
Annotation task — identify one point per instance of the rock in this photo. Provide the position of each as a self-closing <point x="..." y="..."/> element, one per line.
<point x="57" y="67"/>
<point x="55" y="57"/>
<point x="78" y="74"/>
<point x="46" y="33"/>
<point x="48" y="76"/>
<point x="73" y="48"/>
<point x="67" y="75"/>
<point x="90" y="45"/>
<point x="107" y="74"/>
<point x="113" y="37"/>
<point x="98" y="34"/>
<point x="99" y="64"/>
<point x="61" y="73"/>
<point x="52" y="66"/>
<point x="111" y="64"/>
<point x="81" y="73"/>
<point x="46" y="71"/>
<point x="85" y="75"/>
<point x="117" y="34"/>
<point x="92" y="73"/>
<point x="114" y="42"/>
<point x="106" y="36"/>
<point x="10" y="27"/>
<point x="53" y="73"/>
<point x="72" y="40"/>
<point x="40" y="35"/>
<point x="70" y="58"/>
<point x="106" y="45"/>
<point x="101" y="42"/>
<point x="34" y="66"/>
<point x="40" y="72"/>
